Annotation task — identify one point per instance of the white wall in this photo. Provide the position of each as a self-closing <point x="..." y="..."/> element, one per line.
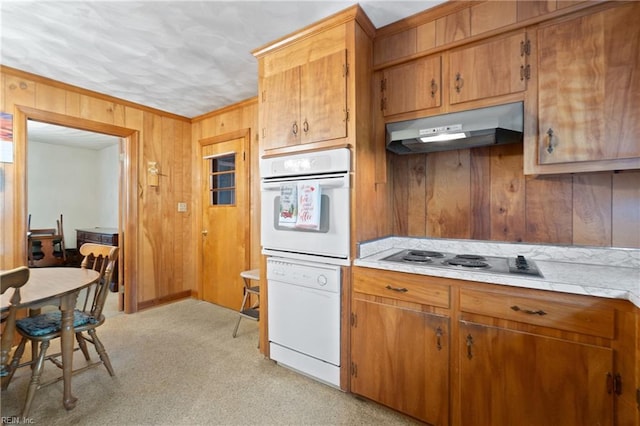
<point x="80" y="184"/>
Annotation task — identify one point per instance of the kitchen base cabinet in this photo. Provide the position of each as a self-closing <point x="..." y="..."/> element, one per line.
<point x="400" y="343"/>
<point x="515" y="378"/>
<point x="400" y="359"/>
<point x="457" y="352"/>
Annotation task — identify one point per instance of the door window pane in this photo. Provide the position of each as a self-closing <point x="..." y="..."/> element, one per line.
<point x="222" y="180"/>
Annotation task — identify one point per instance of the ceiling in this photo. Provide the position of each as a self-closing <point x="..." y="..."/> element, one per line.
<point x="182" y="57"/>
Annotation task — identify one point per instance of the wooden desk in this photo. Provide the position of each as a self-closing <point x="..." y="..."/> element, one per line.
<point x="56" y="286"/>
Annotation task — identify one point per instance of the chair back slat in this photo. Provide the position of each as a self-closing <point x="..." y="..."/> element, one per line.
<point x="14" y="278"/>
<point x="100" y="258"/>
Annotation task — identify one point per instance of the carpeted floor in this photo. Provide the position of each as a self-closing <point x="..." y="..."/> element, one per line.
<point x="178" y="365"/>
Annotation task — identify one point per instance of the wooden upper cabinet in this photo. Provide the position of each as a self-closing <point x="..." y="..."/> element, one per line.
<point x="280" y="108"/>
<point x="323" y="98"/>
<point x="589" y="90"/>
<point x="412" y="86"/>
<point x="305" y="104"/>
<point x="492" y="68"/>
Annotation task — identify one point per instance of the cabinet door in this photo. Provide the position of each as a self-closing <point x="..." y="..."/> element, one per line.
<point x="494" y="68"/>
<point x="400" y="358"/>
<point x="588" y="87"/>
<point x="323" y="98"/>
<point x="412" y="86"/>
<point x="516" y="378"/>
<point x="281" y="109"/>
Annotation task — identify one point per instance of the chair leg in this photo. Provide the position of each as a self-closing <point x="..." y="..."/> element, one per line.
<point x="102" y="352"/>
<point x="244" y="302"/>
<point x="34" y="384"/>
<point x="235" y="330"/>
<point x="83" y="346"/>
<point x="15" y="361"/>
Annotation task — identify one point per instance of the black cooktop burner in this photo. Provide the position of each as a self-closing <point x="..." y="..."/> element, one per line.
<point x="470" y="257"/>
<point x="424" y="253"/>
<point x="468" y="263"/>
<point x="421" y="256"/>
<point x="416" y="258"/>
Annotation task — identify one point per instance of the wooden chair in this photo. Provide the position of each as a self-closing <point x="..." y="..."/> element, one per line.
<point x="46" y="245"/>
<point x="14" y="278"/>
<point x="43" y="328"/>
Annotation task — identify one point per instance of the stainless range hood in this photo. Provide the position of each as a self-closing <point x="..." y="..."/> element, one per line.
<point x="494" y="125"/>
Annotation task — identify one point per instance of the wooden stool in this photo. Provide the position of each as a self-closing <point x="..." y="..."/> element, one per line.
<point x="247" y="310"/>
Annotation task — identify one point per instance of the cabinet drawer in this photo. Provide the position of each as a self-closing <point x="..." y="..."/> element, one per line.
<point x="109" y="239"/>
<point x="579" y="317"/>
<point x="407" y="287"/>
<point x="89" y="237"/>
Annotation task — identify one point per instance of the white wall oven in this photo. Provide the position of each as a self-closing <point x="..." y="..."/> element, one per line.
<point x="305" y="206"/>
<point x="305" y="233"/>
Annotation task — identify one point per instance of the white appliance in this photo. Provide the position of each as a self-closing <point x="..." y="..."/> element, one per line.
<point x="330" y="170"/>
<point x="304" y="317"/>
<point x="304" y="267"/>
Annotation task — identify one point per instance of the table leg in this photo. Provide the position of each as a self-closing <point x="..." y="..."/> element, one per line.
<point x="67" y="305"/>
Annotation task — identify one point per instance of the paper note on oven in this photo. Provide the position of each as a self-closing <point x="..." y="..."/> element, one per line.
<point x="288" y="205"/>
<point x="309" y="198"/>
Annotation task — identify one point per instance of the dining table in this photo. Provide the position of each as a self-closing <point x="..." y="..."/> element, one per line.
<point x="57" y="286"/>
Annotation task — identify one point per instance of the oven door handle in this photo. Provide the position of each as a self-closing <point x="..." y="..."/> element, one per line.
<point x="341" y="181"/>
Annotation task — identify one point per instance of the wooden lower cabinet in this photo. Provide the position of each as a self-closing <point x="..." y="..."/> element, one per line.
<point x="400" y="358"/>
<point x="509" y="377"/>
<point x="400" y="343"/>
<point x="449" y="351"/>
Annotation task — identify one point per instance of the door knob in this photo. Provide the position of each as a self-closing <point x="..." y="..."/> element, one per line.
<point x="205" y="233"/>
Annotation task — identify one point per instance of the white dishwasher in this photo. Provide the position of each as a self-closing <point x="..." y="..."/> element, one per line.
<point x="304" y="317"/>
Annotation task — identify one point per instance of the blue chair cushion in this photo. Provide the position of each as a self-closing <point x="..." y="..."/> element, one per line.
<point x="48" y="323"/>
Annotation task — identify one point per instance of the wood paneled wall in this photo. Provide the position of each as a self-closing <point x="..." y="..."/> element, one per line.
<point x="482" y="194"/>
<point x="158" y="240"/>
<point x="240" y="116"/>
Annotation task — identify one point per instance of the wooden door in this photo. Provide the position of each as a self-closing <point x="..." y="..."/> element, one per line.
<point x="323" y="98"/>
<point x="515" y="378"/>
<point x="588" y="87"/>
<point x="280" y="109"/>
<point x="225" y="221"/>
<point x="412" y="86"/>
<point x="400" y="358"/>
<point x="488" y="69"/>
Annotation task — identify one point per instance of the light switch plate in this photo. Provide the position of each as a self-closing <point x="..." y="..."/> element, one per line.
<point x="182" y="207"/>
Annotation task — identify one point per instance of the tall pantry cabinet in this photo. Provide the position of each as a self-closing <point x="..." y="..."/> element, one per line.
<point x="314" y="94"/>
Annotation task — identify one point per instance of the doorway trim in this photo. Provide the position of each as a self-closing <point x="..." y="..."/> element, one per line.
<point x="237" y="134"/>
<point x="128" y="214"/>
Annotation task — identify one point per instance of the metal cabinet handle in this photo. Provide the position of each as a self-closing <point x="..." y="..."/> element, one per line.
<point x="459" y="82"/>
<point x="305" y="126"/>
<point x="294" y="128"/>
<point x="434" y="87"/>
<point x="528" y="311"/>
<point x="550" y="145"/>
<point x="398" y="289"/>
<point x="469" y="345"/>
<point x="439" y="338"/>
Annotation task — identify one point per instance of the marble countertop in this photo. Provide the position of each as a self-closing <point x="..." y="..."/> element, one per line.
<point x="594" y="271"/>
